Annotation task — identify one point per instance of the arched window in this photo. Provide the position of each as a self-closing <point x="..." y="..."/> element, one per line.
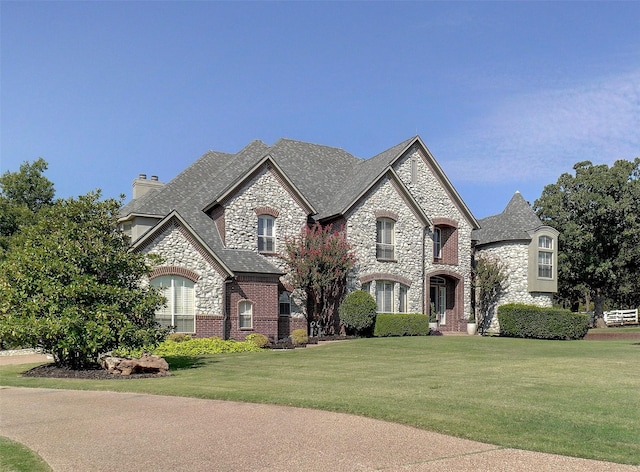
<point x="245" y="314"/>
<point x="179" y="311"/>
<point x="385" y="247"/>
<point x="266" y="234"/>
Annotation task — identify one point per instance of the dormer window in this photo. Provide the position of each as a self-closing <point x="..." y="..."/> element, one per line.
<point x="266" y="234"/>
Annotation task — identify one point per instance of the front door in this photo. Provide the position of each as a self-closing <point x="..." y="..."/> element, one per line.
<point x="438" y="294"/>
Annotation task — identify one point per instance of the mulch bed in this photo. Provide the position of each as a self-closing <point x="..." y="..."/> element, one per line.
<point x="92" y="373"/>
<point x="612" y="336"/>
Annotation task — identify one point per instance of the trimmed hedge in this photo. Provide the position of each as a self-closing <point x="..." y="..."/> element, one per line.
<point x="390" y="324"/>
<point x="527" y="321"/>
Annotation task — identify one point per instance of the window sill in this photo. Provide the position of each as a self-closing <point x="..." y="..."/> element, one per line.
<point x="380" y="259"/>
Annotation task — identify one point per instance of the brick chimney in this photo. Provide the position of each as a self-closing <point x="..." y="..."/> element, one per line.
<point x="142" y="186"/>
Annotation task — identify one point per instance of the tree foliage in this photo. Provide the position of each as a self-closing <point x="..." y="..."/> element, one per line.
<point x="69" y="286"/>
<point x="22" y="194"/>
<point x="319" y="260"/>
<point x="489" y="281"/>
<point x="597" y="212"/>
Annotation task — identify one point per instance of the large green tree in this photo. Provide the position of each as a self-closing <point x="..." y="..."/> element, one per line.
<point x="22" y="194"/>
<point x="69" y="285"/>
<point x="597" y="212"/>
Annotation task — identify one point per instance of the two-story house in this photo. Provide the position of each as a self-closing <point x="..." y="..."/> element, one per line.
<point x="219" y="225"/>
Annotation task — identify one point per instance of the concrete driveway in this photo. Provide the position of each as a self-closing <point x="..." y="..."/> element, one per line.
<point x="107" y="431"/>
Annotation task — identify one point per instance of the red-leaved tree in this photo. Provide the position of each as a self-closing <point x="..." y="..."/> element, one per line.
<point x="319" y="260"/>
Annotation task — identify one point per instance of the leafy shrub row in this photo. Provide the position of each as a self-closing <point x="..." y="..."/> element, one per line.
<point x="410" y="324"/>
<point x="526" y="321"/>
<point x="193" y="347"/>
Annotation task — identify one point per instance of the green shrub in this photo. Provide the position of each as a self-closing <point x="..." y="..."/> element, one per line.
<point x="388" y="324"/>
<point x="258" y="339"/>
<point x="178" y="337"/>
<point x="299" y="336"/>
<point x="358" y="312"/>
<point x="527" y="321"/>
<point x="193" y="347"/>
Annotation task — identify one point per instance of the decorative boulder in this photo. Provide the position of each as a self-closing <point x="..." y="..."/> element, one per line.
<point x="147" y="364"/>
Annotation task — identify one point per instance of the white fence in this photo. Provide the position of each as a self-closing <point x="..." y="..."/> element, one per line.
<point x="621" y="317"/>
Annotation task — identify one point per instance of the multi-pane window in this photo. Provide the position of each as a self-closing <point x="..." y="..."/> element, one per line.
<point x="545" y="264"/>
<point x="179" y="311"/>
<point x="385" y="239"/>
<point x="366" y="287"/>
<point x="245" y="314"/>
<point x="266" y="234"/>
<point x="545" y="242"/>
<point x="545" y="257"/>
<point x="384" y="296"/>
<point x="437" y="243"/>
<point x="285" y="304"/>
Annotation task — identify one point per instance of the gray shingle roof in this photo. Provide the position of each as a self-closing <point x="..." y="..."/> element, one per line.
<point x="514" y="223"/>
<point x="330" y="179"/>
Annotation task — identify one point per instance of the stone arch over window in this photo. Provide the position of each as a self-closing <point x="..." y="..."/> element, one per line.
<point x="445" y="241"/>
<point x="174" y="270"/>
<point x="386" y="214"/>
<point x="267" y="211"/>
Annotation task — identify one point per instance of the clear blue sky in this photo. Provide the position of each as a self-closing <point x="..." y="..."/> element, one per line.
<point x="507" y="96"/>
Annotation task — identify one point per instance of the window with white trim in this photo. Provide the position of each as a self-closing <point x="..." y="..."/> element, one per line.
<point x="545" y="264"/>
<point x="366" y="287"/>
<point x="384" y="296"/>
<point x="385" y="247"/>
<point x="266" y="234"/>
<point x="545" y="242"/>
<point x="437" y="243"/>
<point x="285" y="304"/>
<point x="179" y="311"/>
<point x="245" y="314"/>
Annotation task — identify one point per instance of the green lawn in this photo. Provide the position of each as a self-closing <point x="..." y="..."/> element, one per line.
<point x="578" y="398"/>
<point x="15" y="457"/>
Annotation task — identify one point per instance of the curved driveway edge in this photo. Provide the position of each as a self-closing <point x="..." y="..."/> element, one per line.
<point x="106" y="431"/>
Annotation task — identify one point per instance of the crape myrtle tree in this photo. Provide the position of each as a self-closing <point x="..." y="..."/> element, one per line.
<point x="319" y="259"/>
<point x="597" y="212"/>
<point x="22" y="194"/>
<point x="69" y="285"/>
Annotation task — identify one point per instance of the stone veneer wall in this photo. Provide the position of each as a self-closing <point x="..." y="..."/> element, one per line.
<point x="361" y="231"/>
<point x="264" y="190"/>
<point x="241" y="221"/>
<point x="515" y="256"/>
<point x="437" y="203"/>
<point x="176" y="250"/>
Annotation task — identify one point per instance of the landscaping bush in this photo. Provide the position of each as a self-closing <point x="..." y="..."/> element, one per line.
<point x="527" y="321"/>
<point x="358" y="312"/>
<point x="192" y="347"/>
<point x="299" y="336"/>
<point x="388" y="324"/>
<point x="258" y="339"/>
<point x="178" y="337"/>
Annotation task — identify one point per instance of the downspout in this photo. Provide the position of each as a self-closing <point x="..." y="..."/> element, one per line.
<point x="225" y="312"/>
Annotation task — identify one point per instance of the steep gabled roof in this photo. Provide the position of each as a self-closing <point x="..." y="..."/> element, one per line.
<point x="513" y="224"/>
<point x="327" y="181"/>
